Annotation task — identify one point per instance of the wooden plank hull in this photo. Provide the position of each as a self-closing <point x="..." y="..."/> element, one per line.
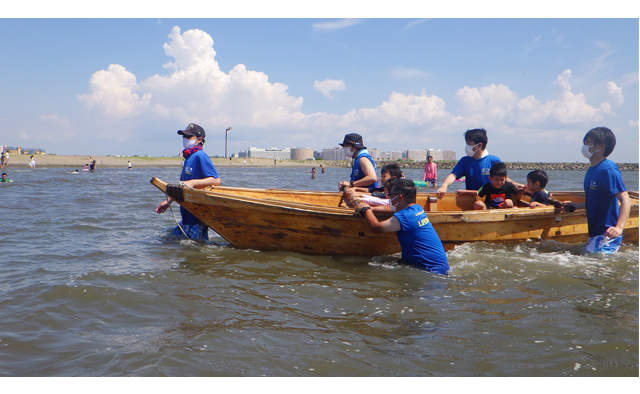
<point x="311" y="222"/>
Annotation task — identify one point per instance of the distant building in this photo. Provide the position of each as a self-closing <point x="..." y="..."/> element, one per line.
<point x="392" y="155"/>
<point x="415" y="155"/>
<point x="333" y="154"/>
<point x="438" y="154"/>
<point x="302" y="154"/>
<point x="269" y="153"/>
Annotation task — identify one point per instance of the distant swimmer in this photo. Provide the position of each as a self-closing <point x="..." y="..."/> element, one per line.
<point x="75" y="172"/>
<point x="4" y="178"/>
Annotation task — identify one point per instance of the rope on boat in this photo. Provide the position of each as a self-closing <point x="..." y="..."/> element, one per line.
<point x="172" y="214"/>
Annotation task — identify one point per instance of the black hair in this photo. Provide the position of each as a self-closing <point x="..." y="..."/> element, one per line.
<point x="393" y="170"/>
<point x="4" y="173"/>
<point x="498" y="169"/>
<point x="429" y="157"/>
<point x="478" y="136"/>
<point x="602" y="136"/>
<point x="407" y="188"/>
<point x="539" y="176"/>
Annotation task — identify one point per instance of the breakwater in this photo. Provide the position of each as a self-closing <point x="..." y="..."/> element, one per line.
<point x="510" y="165"/>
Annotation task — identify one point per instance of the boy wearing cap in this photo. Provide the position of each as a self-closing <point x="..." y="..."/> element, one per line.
<point x="198" y="172"/>
<point x="363" y="171"/>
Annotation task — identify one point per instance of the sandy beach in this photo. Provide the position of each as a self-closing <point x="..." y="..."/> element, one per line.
<point x="78" y="162"/>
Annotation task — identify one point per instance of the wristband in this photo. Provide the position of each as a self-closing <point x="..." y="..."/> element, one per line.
<point x="351" y="184"/>
<point x="363" y="210"/>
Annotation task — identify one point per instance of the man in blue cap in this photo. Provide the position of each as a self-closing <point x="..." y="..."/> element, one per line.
<point x="363" y="171"/>
<point x="198" y="172"/>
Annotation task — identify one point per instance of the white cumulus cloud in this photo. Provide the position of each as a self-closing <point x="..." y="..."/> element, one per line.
<point x="113" y="92"/>
<point x="615" y="94"/>
<point x="329" y="85"/>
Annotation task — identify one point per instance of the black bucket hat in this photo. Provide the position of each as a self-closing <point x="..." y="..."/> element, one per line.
<point x="353" y="139"/>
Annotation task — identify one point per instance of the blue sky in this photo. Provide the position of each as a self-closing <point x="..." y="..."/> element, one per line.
<point x="125" y="86"/>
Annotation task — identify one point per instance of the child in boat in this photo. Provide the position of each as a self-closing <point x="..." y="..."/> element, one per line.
<point x="419" y="241"/>
<point x="498" y="192"/>
<point x="378" y="196"/>
<point x="604" y="189"/>
<point x="536" y="182"/>
<point x="430" y="171"/>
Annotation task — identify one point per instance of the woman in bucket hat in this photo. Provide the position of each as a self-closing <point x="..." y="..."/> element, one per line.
<point x="363" y="172"/>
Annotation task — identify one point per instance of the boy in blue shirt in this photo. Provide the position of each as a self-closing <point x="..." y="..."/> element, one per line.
<point x="419" y="241"/>
<point x="603" y="189"/>
<point x="198" y="172"/>
<point x="475" y="166"/>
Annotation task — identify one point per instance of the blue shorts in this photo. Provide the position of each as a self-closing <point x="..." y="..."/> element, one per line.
<point x="602" y="244"/>
<point x="193" y="231"/>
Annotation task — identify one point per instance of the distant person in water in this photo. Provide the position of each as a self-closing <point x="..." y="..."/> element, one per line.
<point x="322" y="168"/>
<point x="198" y="172"/>
<point x="4" y="178"/>
<point x="430" y="171"/>
<point x="129" y="164"/>
<point x="313" y="173"/>
<point x="604" y="189"/>
<point x="32" y="163"/>
<point x="363" y="171"/>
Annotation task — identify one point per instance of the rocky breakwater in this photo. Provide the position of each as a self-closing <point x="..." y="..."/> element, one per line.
<point x="510" y="165"/>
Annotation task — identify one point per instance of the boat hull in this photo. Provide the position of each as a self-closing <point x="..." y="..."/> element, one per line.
<point x="313" y="223"/>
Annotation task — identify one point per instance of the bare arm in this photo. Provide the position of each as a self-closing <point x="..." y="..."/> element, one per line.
<point x="447" y="182"/>
<point x="625" y="208"/>
<point x="202" y="183"/>
<point x="390" y="225"/>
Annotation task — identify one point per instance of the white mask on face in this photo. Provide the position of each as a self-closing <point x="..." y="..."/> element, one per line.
<point x="468" y="149"/>
<point x="392" y="205"/>
<point x="586" y="153"/>
<point x="188" y="143"/>
<point x="347" y="151"/>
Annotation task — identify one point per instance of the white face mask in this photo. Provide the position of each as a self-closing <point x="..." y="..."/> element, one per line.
<point x="586" y="153"/>
<point x="347" y="151"/>
<point x="189" y="143"/>
<point x="468" y="149"/>
<point x="392" y="205"/>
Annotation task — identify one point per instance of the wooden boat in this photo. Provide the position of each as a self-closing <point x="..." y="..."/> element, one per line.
<point x="312" y="222"/>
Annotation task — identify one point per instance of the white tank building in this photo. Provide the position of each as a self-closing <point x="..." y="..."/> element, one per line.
<point x="301" y="153"/>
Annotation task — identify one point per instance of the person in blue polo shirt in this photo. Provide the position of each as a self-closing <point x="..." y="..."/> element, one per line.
<point x="198" y="172"/>
<point x="475" y="166"/>
<point x="604" y="189"/>
<point x="363" y="171"/>
<point x="419" y="241"/>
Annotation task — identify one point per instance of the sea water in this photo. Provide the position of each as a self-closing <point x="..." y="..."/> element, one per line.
<point x="93" y="284"/>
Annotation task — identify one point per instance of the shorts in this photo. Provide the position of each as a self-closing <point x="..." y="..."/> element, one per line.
<point x="602" y="244"/>
<point x="193" y="231"/>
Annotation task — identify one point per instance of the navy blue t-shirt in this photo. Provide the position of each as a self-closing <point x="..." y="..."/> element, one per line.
<point x="601" y="184"/>
<point x="476" y="171"/>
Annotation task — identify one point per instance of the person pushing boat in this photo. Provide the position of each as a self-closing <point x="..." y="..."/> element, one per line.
<point x="363" y="171"/>
<point x="198" y="172"/>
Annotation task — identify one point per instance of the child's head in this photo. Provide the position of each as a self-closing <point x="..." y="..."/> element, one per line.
<point x="390" y="171"/>
<point x="477" y="136"/>
<point x="537" y="180"/>
<point x="498" y="175"/>
<point x="4" y="175"/>
<point x="601" y="136"/>
<point x="429" y="158"/>
<point x="388" y="185"/>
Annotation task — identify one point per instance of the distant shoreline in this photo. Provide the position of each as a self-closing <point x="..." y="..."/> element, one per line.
<point x="79" y="162"/>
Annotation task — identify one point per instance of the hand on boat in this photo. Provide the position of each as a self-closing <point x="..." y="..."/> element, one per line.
<point x="343" y="185"/>
<point x="441" y="191"/>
